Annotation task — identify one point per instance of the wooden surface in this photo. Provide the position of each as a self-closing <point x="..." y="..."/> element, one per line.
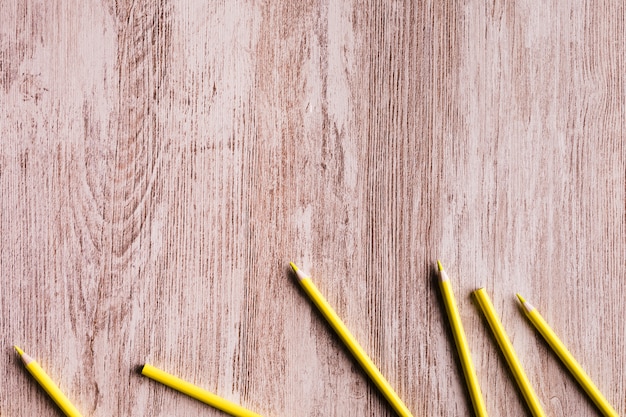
<point x="161" y="163"/>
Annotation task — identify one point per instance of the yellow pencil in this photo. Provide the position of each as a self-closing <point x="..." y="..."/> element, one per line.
<point x="509" y="353"/>
<point x="46" y="383"/>
<point x="353" y="346"/>
<point x="566" y="357"/>
<point x="461" y="343"/>
<point x="196" y="392"/>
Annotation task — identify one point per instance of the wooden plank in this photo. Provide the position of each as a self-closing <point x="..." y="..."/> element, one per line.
<point x="162" y="162"/>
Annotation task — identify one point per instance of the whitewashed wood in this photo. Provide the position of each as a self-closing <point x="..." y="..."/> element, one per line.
<point x="162" y="162"/>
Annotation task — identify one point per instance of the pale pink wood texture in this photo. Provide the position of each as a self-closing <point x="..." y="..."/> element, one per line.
<point x="161" y="162"/>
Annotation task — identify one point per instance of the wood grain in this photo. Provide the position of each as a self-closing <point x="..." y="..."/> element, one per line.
<point x="161" y="163"/>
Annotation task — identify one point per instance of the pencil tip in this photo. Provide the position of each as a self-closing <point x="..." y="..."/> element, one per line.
<point x="439" y="265"/>
<point x="443" y="275"/>
<point x="299" y="273"/>
<point x="18" y="350"/>
<point x="527" y="306"/>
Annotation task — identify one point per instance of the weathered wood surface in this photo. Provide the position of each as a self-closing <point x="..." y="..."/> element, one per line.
<point x="161" y="162"/>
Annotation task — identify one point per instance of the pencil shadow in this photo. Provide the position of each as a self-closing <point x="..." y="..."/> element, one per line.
<point x="138" y="368"/>
<point x="508" y="371"/>
<point x="293" y="278"/>
<point x="337" y="343"/>
<point x="434" y="283"/>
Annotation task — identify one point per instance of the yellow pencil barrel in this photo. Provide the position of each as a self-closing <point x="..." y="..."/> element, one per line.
<point x="351" y="343"/>
<point x="48" y="385"/>
<point x="509" y="353"/>
<point x="196" y="392"/>
<point x="53" y="391"/>
<point x="568" y="359"/>
<point x="461" y="343"/>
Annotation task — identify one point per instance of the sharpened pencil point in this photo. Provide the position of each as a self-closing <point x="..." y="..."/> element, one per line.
<point x="299" y="273"/>
<point x="527" y="306"/>
<point x="26" y="359"/>
<point x="443" y="275"/>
